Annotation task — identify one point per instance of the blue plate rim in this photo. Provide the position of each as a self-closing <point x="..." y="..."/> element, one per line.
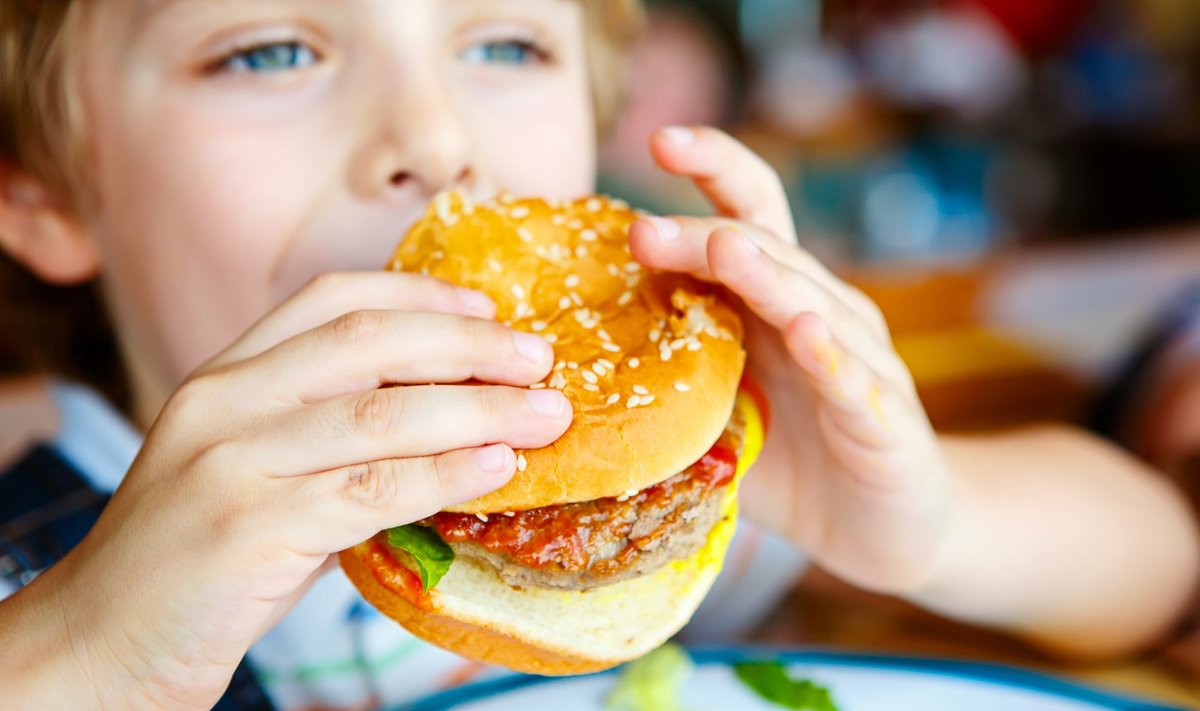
<point x="985" y="672"/>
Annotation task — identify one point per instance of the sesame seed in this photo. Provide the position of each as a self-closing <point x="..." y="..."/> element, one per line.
<point x="558" y="382"/>
<point x="606" y="363"/>
<point x="589" y="376"/>
<point x="591" y="388"/>
<point x="593" y="205"/>
<point x="655" y="334"/>
<point x="665" y="354"/>
<point x="677" y="344"/>
<point x="612" y="269"/>
<point x="640" y="390"/>
<point x="711" y="331"/>
<point x="521" y="462"/>
<point x="519" y="212"/>
<point x="518" y="291"/>
<point x="482" y="517"/>
<point x="558" y="220"/>
<point x="505" y="198"/>
<point x="633" y="281"/>
<point x="537" y="386"/>
<point x="634" y="362"/>
<point x="611" y="347"/>
<point x="683" y="387"/>
<point x="618" y="204"/>
<point x="581" y="252"/>
<point x="451" y="220"/>
<point x="559" y="366"/>
<point x="603" y="335"/>
<point x="495" y="266"/>
<point x="625" y="298"/>
<point x="598" y="369"/>
<point x="631" y="493"/>
<point x="694" y="345"/>
<point x="613" y="399"/>
<point x="632" y="402"/>
<point x="575" y="224"/>
<point x="525" y="235"/>
<point x="550" y="338"/>
<point x="523" y="310"/>
<point x="564" y="303"/>
<point x="632" y="267"/>
<point x="622" y="498"/>
<point x="438" y="255"/>
<point x="509" y="514"/>
<point x="647" y="399"/>
<point x="538" y="326"/>
<point x="572" y="365"/>
<point x="572" y="281"/>
<point x="576" y="299"/>
<point x="588" y="235"/>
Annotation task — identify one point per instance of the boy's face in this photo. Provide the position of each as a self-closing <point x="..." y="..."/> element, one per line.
<point x="240" y="147"/>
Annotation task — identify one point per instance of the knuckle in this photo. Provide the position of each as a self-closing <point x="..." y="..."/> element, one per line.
<point x="357" y="327"/>
<point x="495" y="403"/>
<point x="378" y="412"/>
<point x="196" y="396"/>
<point x="373" y="484"/>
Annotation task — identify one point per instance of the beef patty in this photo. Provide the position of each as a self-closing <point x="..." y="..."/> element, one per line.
<point x="594" y="543"/>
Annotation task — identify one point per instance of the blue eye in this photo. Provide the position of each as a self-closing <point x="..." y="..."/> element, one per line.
<point x="506" y="52"/>
<point x="274" y="57"/>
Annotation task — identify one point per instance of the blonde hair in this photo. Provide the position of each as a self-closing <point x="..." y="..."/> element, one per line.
<point x="42" y="133"/>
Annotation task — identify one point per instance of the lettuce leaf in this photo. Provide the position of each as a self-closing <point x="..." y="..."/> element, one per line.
<point x="653" y="682"/>
<point x="771" y="681"/>
<point x="428" y="551"/>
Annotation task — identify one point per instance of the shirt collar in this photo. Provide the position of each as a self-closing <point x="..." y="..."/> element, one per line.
<point x="97" y="440"/>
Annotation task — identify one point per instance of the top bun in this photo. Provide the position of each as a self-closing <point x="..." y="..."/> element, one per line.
<point x="650" y="361"/>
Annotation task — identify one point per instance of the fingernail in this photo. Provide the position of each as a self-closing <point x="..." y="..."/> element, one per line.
<point x="679" y="135"/>
<point x="477" y="302"/>
<point x="493" y="459"/>
<point x="750" y="245"/>
<point x="668" y="230"/>
<point x="547" y="403"/>
<point x="531" y="348"/>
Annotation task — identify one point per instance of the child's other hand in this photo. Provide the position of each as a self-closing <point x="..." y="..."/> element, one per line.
<point x="284" y="450"/>
<point x="851" y="470"/>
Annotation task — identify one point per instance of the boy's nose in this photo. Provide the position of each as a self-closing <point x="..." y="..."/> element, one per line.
<point x="418" y="161"/>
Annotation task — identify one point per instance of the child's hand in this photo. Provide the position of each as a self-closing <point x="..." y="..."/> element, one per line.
<point x="851" y="470"/>
<point x="282" y="451"/>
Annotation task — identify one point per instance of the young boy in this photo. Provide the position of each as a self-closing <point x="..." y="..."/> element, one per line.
<point x="203" y="160"/>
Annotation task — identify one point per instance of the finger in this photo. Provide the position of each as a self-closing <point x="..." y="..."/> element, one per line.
<point x="407" y="422"/>
<point x="738" y="182"/>
<point x="777" y="294"/>
<point x="680" y="244"/>
<point x="330" y="295"/>
<point x="362" y="350"/>
<point x="852" y="395"/>
<point x="335" y="510"/>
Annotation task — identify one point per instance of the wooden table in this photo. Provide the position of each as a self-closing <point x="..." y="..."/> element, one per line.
<point x="822" y="612"/>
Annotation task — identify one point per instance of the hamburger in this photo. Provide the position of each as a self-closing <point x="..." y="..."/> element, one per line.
<point x="603" y="544"/>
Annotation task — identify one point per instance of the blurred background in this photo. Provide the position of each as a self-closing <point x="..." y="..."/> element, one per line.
<point x="1015" y="181"/>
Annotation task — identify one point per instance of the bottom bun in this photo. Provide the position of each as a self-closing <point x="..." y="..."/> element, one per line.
<point x="553" y="632"/>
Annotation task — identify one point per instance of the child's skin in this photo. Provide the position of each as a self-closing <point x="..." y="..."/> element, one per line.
<point x="222" y="189"/>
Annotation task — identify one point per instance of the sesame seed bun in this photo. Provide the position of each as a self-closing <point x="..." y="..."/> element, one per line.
<point x="650" y="361"/>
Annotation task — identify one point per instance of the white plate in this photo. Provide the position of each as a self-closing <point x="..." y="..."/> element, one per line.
<point x="858" y="683"/>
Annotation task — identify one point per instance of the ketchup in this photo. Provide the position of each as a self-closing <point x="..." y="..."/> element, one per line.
<point x="395" y="576"/>
<point x="561" y="536"/>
